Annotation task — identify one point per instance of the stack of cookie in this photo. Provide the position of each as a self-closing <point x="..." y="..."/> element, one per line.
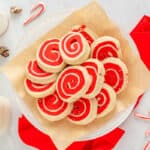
<point x="77" y="77"/>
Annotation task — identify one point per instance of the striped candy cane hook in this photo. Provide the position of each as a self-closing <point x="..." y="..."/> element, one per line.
<point x="40" y="5"/>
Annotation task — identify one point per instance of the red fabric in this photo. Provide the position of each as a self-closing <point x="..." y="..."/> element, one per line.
<point x="141" y="36"/>
<point x="33" y="137"/>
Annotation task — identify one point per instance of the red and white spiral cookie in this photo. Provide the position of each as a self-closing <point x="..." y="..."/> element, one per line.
<point x="39" y="90"/>
<point x="37" y="75"/>
<point x="72" y="83"/>
<point x="105" y="47"/>
<point x="74" y="48"/>
<point x="106" y="100"/>
<point x="53" y="108"/>
<point x="89" y="35"/>
<point x="49" y="57"/>
<point x="96" y="71"/>
<point x="84" y="111"/>
<point x="116" y="74"/>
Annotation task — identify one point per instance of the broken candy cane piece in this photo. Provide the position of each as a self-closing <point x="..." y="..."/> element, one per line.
<point x="40" y="5"/>
<point x="147" y="133"/>
<point x="147" y="146"/>
<point x="144" y="117"/>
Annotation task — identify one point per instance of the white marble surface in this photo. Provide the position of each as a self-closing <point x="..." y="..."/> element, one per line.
<point x="125" y="13"/>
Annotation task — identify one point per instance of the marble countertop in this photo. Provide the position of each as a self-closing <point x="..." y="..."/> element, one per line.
<point x="125" y="13"/>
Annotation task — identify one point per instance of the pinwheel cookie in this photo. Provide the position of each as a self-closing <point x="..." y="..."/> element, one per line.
<point x="37" y="75"/>
<point x="106" y="100"/>
<point x="72" y="83"/>
<point x="88" y="34"/>
<point x="53" y="108"/>
<point x="105" y="47"/>
<point x="96" y="71"/>
<point x="116" y="74"/>
<point x="49" y="57"/>
<point x="84" y="111"/>
<point x="39" y="90"/>
<point x="74" y="48"/>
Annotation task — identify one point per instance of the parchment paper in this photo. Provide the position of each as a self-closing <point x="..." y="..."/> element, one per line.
<point x="62" y="132"/>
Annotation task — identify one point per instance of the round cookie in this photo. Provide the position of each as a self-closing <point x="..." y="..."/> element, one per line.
<point x="3" y="23"/>
<point x="105" y="47"/>
<point x="48" y="56"/>
<point x="39" y="90"/>
<point x="89" y="35"/>
<point x="116" y="74"/>
<point x="72" y="83"/>
<point x="74" y="48"/>
<point x="106" y="100"/>
<point x="53" y="108"/>
<point x="37" y="75"/>
<point x="84" y="111"/>
<point x="96" y="71"/>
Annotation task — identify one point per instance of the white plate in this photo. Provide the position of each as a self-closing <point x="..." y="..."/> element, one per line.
<point x="28" y="38"/>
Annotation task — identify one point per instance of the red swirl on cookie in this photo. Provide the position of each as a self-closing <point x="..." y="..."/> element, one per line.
<point x="39" y="90"/>
<point x="48" y="56"/>
<point x="116" y="74"/>
<point x="37" y="75"/>
<point x="72" y="83"/>
<point x="88" y="35"/>
<point x="105" y="47"/>
<point x="96" y="72"/>
<point x="106" y="100"/>
<point x="53" y="108"/>
<point x="84" y="111"/>
<point x="74" y="48"/>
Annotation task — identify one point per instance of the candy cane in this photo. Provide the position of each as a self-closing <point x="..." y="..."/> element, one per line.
<point x="147" y="146"/>
<point x="147" y="133"/>
<point x="138" y="115"/>
<point x="40" y="5"/>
